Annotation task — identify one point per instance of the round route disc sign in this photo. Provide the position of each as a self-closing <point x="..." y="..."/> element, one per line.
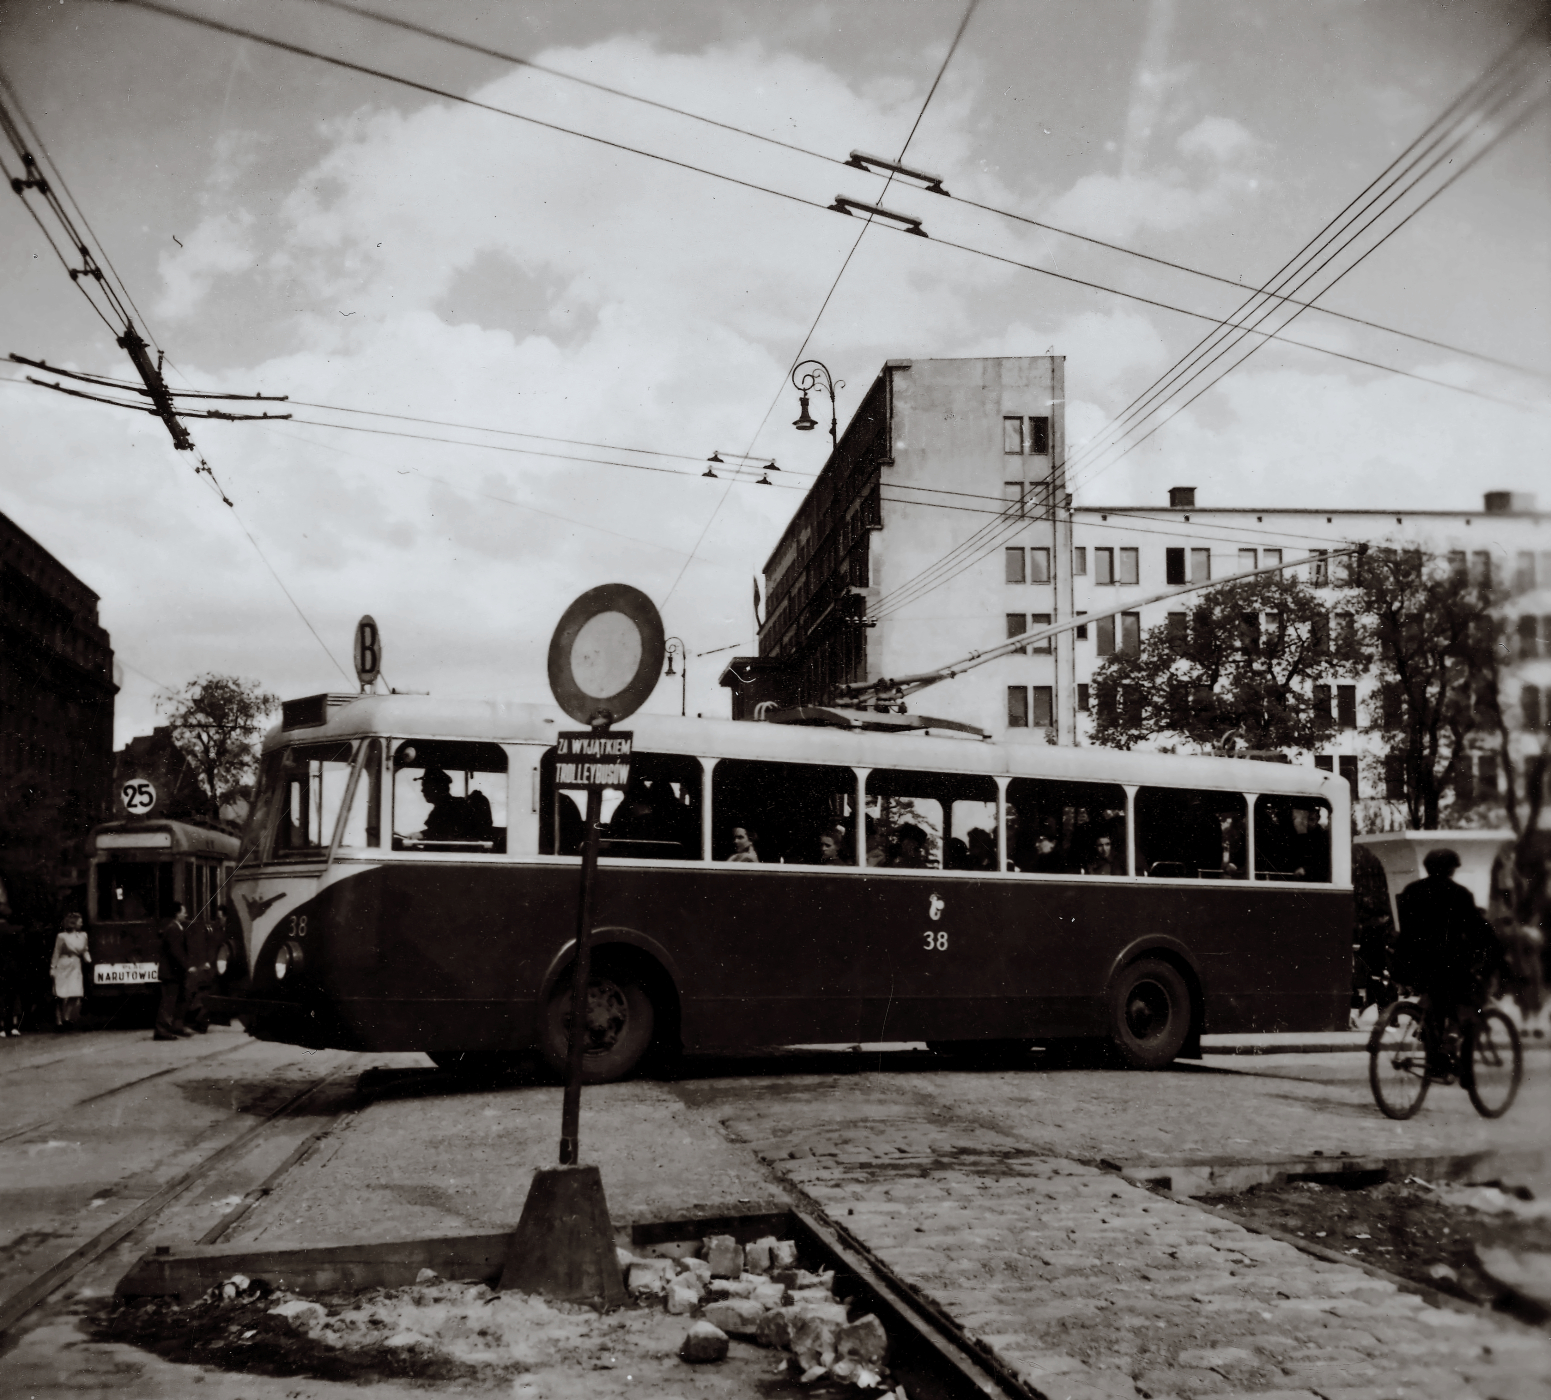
<point x="606" y="654"/>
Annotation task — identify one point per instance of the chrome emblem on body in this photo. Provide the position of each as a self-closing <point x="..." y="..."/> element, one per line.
<point x="934" y="908"/>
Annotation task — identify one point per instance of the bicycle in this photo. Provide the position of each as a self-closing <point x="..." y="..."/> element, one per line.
<point x="1484" y="1055"/>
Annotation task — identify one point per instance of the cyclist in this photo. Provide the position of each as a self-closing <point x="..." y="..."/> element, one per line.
<point x="1447" y="953"/>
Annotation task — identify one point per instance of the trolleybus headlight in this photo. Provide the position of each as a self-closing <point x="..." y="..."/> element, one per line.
<point x="223" y="959"/>
<point x="288" y="958"/>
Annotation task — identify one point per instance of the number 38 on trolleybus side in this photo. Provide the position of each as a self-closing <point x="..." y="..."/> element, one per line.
<point x="408" y="881"/>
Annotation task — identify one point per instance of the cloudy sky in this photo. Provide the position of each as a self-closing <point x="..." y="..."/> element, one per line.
<point x="288" y="226"/>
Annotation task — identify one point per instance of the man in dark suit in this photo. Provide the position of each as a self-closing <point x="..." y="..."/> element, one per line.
<point x="1447" y="952"/>
<point x="172" y="972"/>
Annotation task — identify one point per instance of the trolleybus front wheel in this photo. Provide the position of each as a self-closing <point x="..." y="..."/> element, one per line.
<point x="1149" y="1014"/>
<point x="620" y="1023"/>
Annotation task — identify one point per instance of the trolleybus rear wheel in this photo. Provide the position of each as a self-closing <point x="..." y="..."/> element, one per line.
<point x="620" y="1024"/>
<point x="1149" y="1014"/>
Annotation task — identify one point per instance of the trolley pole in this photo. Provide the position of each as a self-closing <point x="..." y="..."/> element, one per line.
<point x="581" y="974"/>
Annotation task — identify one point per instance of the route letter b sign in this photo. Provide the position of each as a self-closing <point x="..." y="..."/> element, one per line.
<point x="585" y="759"/>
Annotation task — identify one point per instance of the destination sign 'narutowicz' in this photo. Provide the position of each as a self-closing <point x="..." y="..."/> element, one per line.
<point x="586" y="759"/>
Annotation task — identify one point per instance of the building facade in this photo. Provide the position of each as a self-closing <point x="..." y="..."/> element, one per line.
<point x="967" y="538"/>
<point x="56" y="721"/>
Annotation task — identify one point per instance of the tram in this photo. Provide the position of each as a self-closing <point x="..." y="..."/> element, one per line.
<point x="138" y="869"/>
<point x="408" y="881"/>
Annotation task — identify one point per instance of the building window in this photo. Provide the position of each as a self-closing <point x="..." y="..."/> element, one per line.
<point x="1016" y="628"/>
<point x="1013" y="493"/>
<point x="1036" y="621"/>
<point x="1104" y="566"/>
<point x="1131" y="705"/>
<point x="1529" y="707"/>
<point x="1319" y="633"/>
<point x="1130" y="634"/>
<point x="1200" y="566"/>
<point x="1106" y="644"/>
<point x="1173" y="565"/>
<point x="1017" y="707"/>
<point x="1346" y="706"/>
<point x="1080" y="560"/>
<point x="1347" y="763"/>
<point x="1529" y="639"/>
<point x="1082" y="696"/>
<point x="1012" y="437"/>
<point x="1457" y="563"/>
<point x="1015" y="572"/>
<point x="1039" y="437"/>
<point x="1322" y="701"/>
<point x="1524" y="571"/>
<point x="1247" y="560"/>
<point x="1269" y="557"/>
<point x="1249" y="633"/>
<point x="1392" y="698"/>
<point x="1039" y="565"/>
<point x="1319" y="569"/>
<point x="1105" y="707"/>
<point x="1325" y="762"/>
<point x="1486" y="775"/>
<point x="1082" y="628"/>
<point x="1394" y="777"/>
<point x="1044" y="706"/>
<point x="1130" y="566"/>
<point x="1481" y="567"/>
<point x="1178" y="631"/>
<point x="1346" y="630"/>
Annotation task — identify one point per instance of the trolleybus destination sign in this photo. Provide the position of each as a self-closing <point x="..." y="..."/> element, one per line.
<point x="586" y="758"/>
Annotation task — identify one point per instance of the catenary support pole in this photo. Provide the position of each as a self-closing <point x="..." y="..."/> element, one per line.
<point x="581" y="973"/>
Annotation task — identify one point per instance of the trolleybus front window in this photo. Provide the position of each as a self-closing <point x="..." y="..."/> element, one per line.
<point x="449" y="795"/>
<point x="311" y="789"/>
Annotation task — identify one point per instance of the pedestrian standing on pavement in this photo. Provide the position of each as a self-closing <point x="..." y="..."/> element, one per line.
<point x="172" y="972"/>
<point x="12" y="969"/>
<point x="70" y="952"/>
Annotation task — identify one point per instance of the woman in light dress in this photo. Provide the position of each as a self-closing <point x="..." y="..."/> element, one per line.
<point x="70" y="952"/>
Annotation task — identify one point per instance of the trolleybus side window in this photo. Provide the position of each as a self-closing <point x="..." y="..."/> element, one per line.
<point x="1184" y="833"/>
<point x="312" y="783"/>
<point x="130" y="890"/>
<point x="1066" y="828"/>
<point x="657" y="818"/>
<point x="1292" y="839"/>
<point x="785" y="809"/>
<point x="929" y="820"/>
<point x="449" y="795"/>
<point x="363" y="827"/>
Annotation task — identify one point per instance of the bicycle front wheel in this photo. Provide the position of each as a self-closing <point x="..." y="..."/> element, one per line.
<point x="1397" y="1061"/>
<point x="1494" y="1064"/>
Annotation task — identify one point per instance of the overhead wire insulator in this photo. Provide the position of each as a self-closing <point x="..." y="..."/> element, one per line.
<point x="908" y="222"/>
<point x="932" y="184"/>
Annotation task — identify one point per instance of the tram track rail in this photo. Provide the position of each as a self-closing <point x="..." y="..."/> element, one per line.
<point x="42" y="1286"/>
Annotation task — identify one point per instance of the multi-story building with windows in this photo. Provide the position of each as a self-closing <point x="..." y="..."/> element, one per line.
<point x="942" y="527"/>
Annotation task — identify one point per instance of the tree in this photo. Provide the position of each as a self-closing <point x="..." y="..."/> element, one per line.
<point x="1429" y="629"/>
<point x="1245" y="659"/>
<point x="217" y="721"/>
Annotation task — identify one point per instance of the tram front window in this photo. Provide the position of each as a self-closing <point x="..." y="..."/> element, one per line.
<point x="131" y="890"/>
<point x="449" y="795"/>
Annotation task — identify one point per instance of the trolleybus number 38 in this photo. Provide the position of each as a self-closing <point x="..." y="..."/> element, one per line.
<point x="937" y="942"/>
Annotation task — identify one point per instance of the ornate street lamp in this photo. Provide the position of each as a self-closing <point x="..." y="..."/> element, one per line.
<point x="805" y="380"/>
<point x="674" y="646"/>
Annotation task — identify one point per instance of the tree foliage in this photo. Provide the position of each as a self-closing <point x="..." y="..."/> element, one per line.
<point x="216" y="722"/>
<point x="1243" y="659"/>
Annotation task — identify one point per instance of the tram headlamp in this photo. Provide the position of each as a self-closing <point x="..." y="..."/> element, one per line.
<point x="288" y="958"/>
<point x="223" y="959"/>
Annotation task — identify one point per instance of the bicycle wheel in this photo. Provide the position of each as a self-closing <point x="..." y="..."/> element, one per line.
<point x="1397" y="1061"/>
<point x="1494" y="1064"/>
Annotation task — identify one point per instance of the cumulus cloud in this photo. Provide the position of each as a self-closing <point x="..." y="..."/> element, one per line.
<point x="217" y="246"/>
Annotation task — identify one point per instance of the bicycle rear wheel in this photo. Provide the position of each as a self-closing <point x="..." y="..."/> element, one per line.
<point x="1494" y="1064"/>
<point x="1397" y="1061"/>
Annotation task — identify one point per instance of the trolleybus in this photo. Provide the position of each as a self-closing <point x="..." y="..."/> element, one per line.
<point x="409" y="871"/>
<point x="138" y="869"/>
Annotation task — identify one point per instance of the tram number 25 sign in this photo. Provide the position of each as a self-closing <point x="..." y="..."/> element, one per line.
<point x="586" y="759"/>
<point x="138" y="796"/>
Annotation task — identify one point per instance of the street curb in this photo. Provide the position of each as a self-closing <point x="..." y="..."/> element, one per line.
<point x="1225" y="1176"/>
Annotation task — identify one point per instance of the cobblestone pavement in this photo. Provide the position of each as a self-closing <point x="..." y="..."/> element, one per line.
<point x="1087" y="1286"/>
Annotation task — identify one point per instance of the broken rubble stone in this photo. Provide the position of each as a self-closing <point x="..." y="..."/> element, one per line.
<point x="730" y="1288"/>
<point x="725" y="1256"/>
<point x="700" y="1268"/>
<point x="863" y="1341"/>
<point x="756" y="1258"/>
<point x="428" y="1276"/>
<point x="769" y="1295"/>
<point x="813" y="1338"/>
<point x="300" y="1313"/>
<point x="810" y="1295"/>
<point x="625" y="1257"/>
<point x="775" y="1328"/>
<point x="682" y="1298"/>
<point x="813" y="1373"/>
<point x="783" y="1254"/>
<point x="738" y="1317"/>
<point x="648" y="1276"/>
<point x="703" y="1342"/>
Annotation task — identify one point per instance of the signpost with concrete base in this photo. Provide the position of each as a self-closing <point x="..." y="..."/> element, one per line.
<point x="604" y="660"/>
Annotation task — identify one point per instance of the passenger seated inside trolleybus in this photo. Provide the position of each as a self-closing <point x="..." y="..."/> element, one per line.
<point x="449" y="796"/>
